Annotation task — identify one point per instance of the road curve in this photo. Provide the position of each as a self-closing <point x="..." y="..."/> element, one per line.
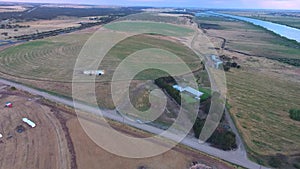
<point x="236" y="157"/>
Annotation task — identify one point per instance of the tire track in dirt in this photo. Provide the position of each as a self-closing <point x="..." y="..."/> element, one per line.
<point x="62" y="157"/>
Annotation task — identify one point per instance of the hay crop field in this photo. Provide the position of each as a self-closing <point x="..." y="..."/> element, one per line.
<point x="260" y="107"/>
<point x="261" y="93"/>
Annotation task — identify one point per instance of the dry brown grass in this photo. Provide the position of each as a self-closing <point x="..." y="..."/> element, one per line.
<point x="90" y="155"/>
<point x="43" y="26"/>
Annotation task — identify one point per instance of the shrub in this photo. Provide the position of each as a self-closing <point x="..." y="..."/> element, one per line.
<point x="275" y="162"/>
<point x="224" y="140"/>
<point x="295" y="114"/>
<point x="296" y="165"/>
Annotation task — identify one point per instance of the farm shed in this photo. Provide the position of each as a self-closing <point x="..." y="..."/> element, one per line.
<point x="189" y="90"/>
<point x="216" y="61"/>
<point x="193" y="91"/>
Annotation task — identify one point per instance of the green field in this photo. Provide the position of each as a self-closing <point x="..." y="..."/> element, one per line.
<point x="150" y="27"/>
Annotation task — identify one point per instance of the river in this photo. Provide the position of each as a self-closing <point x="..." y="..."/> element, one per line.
<point x="282" y="30"/>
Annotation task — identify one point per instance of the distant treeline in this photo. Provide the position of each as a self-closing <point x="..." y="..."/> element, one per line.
<point x="180" y="12"/>
<point x="52" y="12"/>
<point x="12" y="26"/>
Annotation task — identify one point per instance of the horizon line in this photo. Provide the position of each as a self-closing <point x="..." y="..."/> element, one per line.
<point x="146" y="6"/>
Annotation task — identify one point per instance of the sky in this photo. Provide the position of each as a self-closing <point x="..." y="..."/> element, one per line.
<point x="242" y="4"/>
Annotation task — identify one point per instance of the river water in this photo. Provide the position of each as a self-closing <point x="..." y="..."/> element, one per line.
<point x="282" y="30"/>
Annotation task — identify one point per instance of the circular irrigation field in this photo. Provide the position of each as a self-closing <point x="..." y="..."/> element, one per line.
<point x="53" y="59"/>
<point x="50" y="59"/>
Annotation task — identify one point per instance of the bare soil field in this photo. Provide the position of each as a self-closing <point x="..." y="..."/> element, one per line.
<point x="91" y="156"/>
<point x="44" y="146"/>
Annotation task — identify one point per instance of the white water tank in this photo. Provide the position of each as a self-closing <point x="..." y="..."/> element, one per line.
<point x="29" y="122"/>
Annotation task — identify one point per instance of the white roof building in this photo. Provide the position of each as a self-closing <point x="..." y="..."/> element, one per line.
<point x="193" y="91"/>
<point x="216" y="61"/>
<point x="190" y="90"/>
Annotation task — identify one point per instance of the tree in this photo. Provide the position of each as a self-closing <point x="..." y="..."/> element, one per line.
<point x="234" y="64"/>
<point x="197" y="127"/>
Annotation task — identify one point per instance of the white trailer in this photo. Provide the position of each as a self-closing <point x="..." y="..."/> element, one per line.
<point x="94" y="72"/>
<point x="29" y="122"/>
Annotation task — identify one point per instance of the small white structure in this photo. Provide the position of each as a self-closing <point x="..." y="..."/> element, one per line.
<point x="1" y="135"/>
<point x="94" y="72"/>
<point x="29" y="122"/>
<point x="216" y="61"/>
<point x="190" y="90"/>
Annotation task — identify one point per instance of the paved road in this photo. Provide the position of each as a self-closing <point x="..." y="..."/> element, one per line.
<point x="236" y="157"/>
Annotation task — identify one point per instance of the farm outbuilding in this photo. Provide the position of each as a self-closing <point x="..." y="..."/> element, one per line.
<point x="194" y="92"/>
<point x="189" y="90"/>
<point x="217" y="61"/>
